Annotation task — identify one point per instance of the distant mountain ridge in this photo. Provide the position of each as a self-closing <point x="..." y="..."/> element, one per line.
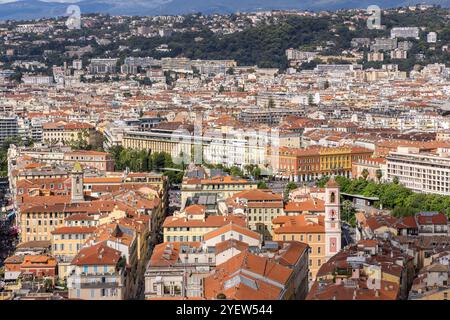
<point x="34" y="9"/>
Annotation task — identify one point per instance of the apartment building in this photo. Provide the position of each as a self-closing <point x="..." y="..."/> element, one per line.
<point x="102" y="161"/>
<point x="262" y="277"/>
<point x="304" y="228"/>
<point x="232" y="149"/>
<point x="9" y="127"/>
<point x="367" y="270"/>
<point x="374" y="168"/>
<point x="314" y="162"/>
<point x="37" y="80"/>
<point x="191" y="224"/>
<point x="405" y="32"/>
<point x="222" y="186"/>
<point x="103" y="66"/>
<point x="177" y="270"/>
<point x="423" y="172"/>
<point x="61" y="131"/>
<point x="260" y="207"/>
<point x="314" y="222"/>
<point x="98" y="274"/>
<point x="192" y="270"/>
<point x="375" y="56"/>
<point x="432" y="282"/>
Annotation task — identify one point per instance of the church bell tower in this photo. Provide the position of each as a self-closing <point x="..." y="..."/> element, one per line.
<point x="332" y="219"/>
<point x="76" y="177"/>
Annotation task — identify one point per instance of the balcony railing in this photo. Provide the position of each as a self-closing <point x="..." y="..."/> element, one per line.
<point x="99" y="284"/>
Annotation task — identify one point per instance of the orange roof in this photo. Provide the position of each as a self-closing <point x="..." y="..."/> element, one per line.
<point x="258" y="195"/>
<point x="311" y="205"/>
<point x="232" y="227"/>
<point x="99" y="254"/>
<point x="195" y="209"/>
<point x="209" y="222"/>
<point x="38" y="261"/>
<point x="103" y="180"/>
<point x="73" y="230"/>
<point x="299" y="224"/>
<point x="271" y="278"/>
<point x="166" y="254"/>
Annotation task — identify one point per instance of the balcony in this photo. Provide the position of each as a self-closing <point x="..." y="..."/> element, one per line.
<point x="99" y="285"/>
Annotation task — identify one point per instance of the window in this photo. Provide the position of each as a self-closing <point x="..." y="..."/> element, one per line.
<point x="92" y="293"/>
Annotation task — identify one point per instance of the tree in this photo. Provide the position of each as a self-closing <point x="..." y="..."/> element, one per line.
<point x="235" y="171"/>
<point x="310" y="99"/>
<point x="159" y="160"/>
<point x="147" y="81"/>
<point x="395" y="180"/>
<point x="248" y="168"/>
<point x="403" y="212"/>
<point x="48" y="285"/>
<point x="230" y="71"/>
<point x="348" y="212"/>
<point x="289" y="187"/>
<point x="262" y="185"/>
<point x="379" y="174"/>
<point x="323" y="181"/>
<point x="365" y="174"/>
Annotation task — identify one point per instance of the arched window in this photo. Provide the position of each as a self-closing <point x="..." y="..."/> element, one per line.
<point x="332" y="197"/>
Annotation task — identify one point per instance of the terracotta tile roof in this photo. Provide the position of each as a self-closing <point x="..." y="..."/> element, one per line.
<point x="258" y="195"/>
<point x="209" y="222"/>
<point x="310" y="205"/>
<point x="271" y="280"/>
<point x="432" y="218"/>
<point x="74" y="230"/>
<point x="232" y="227"/>
<point x="80" y="217"/>
<point x="36" y="261"/>
<point x="195" y="209"/>
<point x="167" y="253"/>
<point x="99" y="254"/>
<point x="230" y="243"/>
<point x="299" y="224"/>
